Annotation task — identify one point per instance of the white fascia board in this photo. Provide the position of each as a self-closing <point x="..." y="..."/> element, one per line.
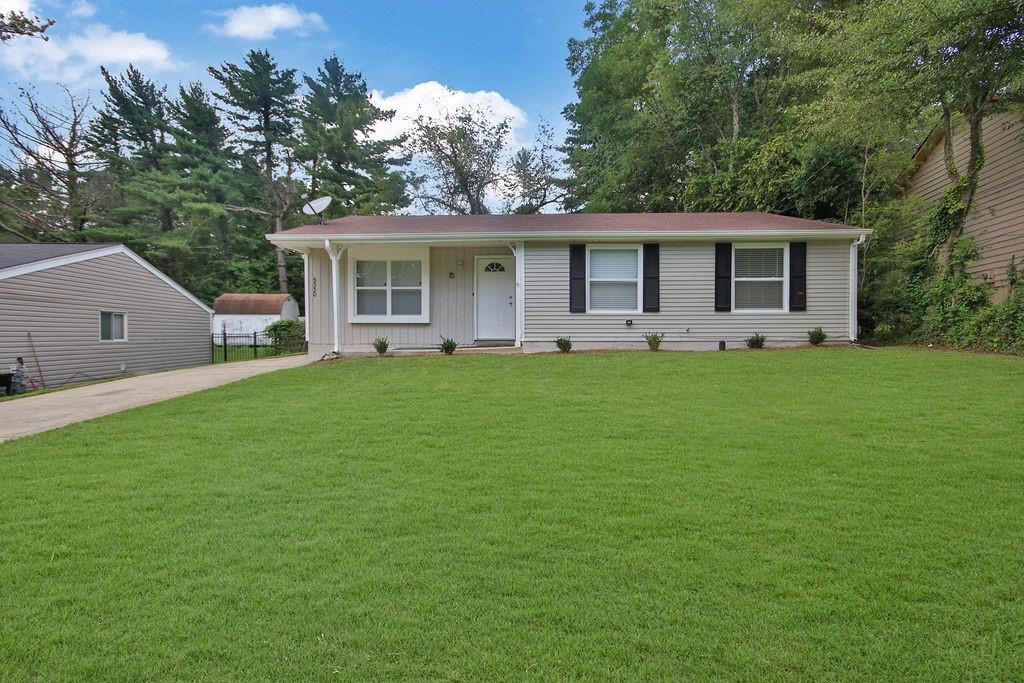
<point x="497" y="237"/>
<point x="45" y="264"/>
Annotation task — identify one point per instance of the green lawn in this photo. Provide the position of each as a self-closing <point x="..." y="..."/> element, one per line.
<point x="809" y="514"/>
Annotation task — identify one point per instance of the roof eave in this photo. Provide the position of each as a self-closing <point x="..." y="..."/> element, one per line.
<point x="830" y="233"/>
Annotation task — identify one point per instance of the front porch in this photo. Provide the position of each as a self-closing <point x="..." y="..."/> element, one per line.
<point x="413" y="293"/>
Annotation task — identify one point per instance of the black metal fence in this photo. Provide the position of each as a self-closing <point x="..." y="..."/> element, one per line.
<point x="227" y="348"/>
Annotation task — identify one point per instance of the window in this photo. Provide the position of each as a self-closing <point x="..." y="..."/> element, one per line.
<point x="112" y="326"/>
<point x="759" y="277"/>
<point x="389" y="287"/>
<point x="494" y="267"/>
<point x="613" y="278"/>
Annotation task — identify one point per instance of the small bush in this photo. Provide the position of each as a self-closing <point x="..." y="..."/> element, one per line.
<point x="448" y="346"/>
<point x="653" y="340"/>
<point x="564" y="344"/>
<point x="816" y="336"/>
<point x="757" y="341"/>
<point x="381" y="344"/>
<point x="287" y="335"/>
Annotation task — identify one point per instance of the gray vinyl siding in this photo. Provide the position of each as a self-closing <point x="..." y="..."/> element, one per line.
<point x="996" y="221"/>
<point x="60" y="306"/>
<point x="451" y="304"/>
<point x="687" y="314"/>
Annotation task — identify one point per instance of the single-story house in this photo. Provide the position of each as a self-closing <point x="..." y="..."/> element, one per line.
<point x="248" y="313"/>
<point x="77" y="312"/>
<point x="996" y="220"/>
<point x="601" y="279"/>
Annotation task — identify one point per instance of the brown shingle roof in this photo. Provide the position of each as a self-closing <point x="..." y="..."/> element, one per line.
<point x="566" y="222"/>
<point x="250" y="304"/>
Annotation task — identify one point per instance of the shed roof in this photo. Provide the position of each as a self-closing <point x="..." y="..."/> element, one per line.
<point x="20" y="253"/>
<point x="250" y="304"/>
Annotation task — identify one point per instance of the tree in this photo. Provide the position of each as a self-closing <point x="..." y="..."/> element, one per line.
<point x="965" y="57"/>
<point x="50" y="163"/>
<point x="15" y="24"/>
<point x="259" y="98"/>
<point x="462" y="155"/>
<point x="338" y="150"/>
<point x="534" y="180"/>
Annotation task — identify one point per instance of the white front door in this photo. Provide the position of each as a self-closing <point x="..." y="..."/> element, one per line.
<point x="496" y="298"/>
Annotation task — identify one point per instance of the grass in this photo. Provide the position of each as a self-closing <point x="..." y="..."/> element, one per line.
<point x="813" y="514"/>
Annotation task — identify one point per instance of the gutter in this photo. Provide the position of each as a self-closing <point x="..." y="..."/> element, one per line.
<point x="279" y="238"/>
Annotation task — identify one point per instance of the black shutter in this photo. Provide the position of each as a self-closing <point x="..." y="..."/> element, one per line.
<point x="577" y="278"/>
<point x="723" y="276"/>
<point x="652" y="270"/>
<point x="798" y="276"/>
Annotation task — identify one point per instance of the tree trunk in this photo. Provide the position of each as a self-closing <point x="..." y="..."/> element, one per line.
<point x="282" y="263"/>
<point x="974" y="119"/>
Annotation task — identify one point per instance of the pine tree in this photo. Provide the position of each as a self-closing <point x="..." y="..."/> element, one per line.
<point x="259" y="98"/>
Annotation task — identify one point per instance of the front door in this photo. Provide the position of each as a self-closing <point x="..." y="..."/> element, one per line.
<point x="495" y="298"/>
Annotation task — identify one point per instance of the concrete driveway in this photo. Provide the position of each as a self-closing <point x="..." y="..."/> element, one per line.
<point x="34" y="414"/>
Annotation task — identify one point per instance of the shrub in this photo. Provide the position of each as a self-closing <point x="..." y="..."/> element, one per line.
<point x="816" y="336"/>
<point x="654" y="340"/>
<point x="757" y="341"/>
<point x="564" y="344"/>
<point x="381" y="344"/>
<point x="448" y="345"/>
<point x="287" y="335"/>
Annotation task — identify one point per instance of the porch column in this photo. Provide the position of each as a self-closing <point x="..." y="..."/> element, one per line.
<point x="305" y="292"/>
<point x="335" y="255"/>
<point x="520" y="252"/>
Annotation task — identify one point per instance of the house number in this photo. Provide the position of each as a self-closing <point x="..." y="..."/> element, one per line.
<point x="314" y="286"/>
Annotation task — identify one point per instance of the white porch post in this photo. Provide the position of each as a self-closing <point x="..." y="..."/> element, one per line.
<point x="335" y="255"/>
<point x="305" y="292"/>
<point x="520" y="252"/>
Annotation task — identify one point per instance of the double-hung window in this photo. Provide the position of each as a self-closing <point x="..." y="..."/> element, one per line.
<point x="759" y="277"/>
<point x="613" y="278"/>
<point x="389" y="287"/>
<point x="112" y="326"/>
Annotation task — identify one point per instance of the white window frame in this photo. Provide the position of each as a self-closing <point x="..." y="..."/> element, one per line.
<point x="124" y="326"/>
<point x="421" y="254"/>
<point x="638" y="279"/>
<point x="784" y="279"/>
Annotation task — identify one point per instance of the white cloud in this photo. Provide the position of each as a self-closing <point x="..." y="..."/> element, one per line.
<point x="24" y="6"/>
<point x="72" y="58"/>
<point x="434" y="100"/>
<point x="82" y="8"/>
<point x="259" y="22"/>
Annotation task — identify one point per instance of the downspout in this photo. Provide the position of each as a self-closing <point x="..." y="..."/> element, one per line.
<point x="335" y="292"/>
<point x="853" y="285"/>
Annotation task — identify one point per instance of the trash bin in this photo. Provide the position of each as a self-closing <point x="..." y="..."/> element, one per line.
<point x="7" y="383"/>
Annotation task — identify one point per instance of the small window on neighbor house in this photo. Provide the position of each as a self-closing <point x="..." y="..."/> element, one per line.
<point x="759" y="279"/>
<point x="112" y="327"/>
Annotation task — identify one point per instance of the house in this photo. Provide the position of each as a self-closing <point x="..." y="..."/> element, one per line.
<point x="248" y="313"/>
<point x="77" y="312"/>
<point x="996" y="220"/>
<point x="602" y="279"/>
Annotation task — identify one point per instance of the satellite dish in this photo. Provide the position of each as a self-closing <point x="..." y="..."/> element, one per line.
<point x="317" y="207"/>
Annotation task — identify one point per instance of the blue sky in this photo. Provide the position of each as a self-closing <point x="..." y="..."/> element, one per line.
<point x="509" y="56"/>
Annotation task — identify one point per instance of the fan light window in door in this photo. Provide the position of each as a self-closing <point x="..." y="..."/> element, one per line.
<point x="494" y="267"/>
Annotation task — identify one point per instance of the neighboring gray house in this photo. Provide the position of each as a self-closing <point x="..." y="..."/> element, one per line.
<point x="601" y="279"/>
<point x="236" y="313"/>
<point x="77" y="312"/>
